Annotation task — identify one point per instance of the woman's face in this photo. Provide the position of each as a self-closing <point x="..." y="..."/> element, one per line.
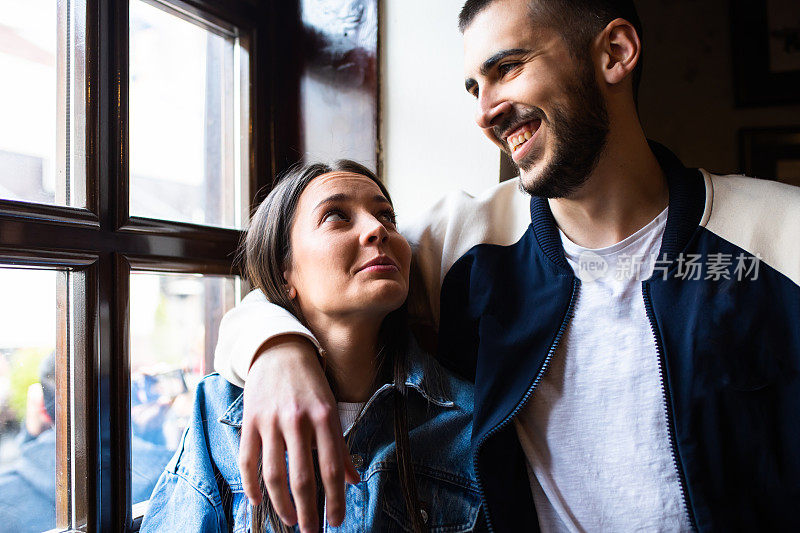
<point x="347" y="258"/>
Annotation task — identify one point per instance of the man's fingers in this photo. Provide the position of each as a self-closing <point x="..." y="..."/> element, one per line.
<point x="330" y="447"/>
<point x="351" y="475"/>
<point x="301" y="478"/>
<point x="249" y="451"/>
<point x="274" y="472"/>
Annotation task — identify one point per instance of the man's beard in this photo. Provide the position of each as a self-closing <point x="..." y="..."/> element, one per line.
<point x="580" y="132"/>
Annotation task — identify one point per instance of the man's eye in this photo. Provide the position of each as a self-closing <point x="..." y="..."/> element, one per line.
<point x="505" y="68"/>
<point x="334" y="216"/>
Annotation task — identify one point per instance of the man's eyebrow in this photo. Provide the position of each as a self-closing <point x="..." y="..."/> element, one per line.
<point x="487" y="65"/>
<point x="499" y="56"/>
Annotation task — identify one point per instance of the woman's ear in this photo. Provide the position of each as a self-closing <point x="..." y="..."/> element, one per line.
<point x="291" y="292"/>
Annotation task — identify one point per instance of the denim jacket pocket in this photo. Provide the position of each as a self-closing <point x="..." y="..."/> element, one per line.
<point x="447" y="503"/>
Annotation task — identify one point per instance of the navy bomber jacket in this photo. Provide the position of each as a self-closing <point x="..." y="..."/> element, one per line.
<point x="497" y="284"/>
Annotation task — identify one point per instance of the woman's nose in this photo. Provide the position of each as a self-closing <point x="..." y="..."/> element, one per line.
<point x="374" y="232"/>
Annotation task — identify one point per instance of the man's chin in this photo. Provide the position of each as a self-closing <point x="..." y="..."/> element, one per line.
<point x="532" y="176"/>
<point x="543" y="183"/>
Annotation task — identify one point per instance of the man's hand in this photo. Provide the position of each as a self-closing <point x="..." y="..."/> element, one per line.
<point x="289" y="406"/>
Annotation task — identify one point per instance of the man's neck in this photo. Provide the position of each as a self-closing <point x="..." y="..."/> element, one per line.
<point x="626" y="190"/>
<point x="351" y="348"/>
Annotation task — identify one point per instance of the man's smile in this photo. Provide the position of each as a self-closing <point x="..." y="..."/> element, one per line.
<point x="518" y="138"/>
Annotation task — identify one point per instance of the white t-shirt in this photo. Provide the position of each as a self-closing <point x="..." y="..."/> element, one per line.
<point x="594" y="431"/>
<point x="348" y="412"/>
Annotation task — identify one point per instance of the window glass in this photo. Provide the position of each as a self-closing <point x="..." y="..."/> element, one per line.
<point x="174" y="324"/>
<point x="27" y="400"/>
<point x="185" y="120"/>
<point x="41" y="102"/>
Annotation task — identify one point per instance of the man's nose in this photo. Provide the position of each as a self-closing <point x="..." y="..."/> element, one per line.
<point x="490" y="111"/>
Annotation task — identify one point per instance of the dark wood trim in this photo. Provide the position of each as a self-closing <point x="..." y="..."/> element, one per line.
<point x="228" y="15"/>
<point x="151" y="226"/>
<point x="149" y="263"/>
<point x="120" y="377"/>
<point x="202" y="245"/>
<point x="120" y="152"/>
<point x="85" y="386"/>
<point x="92" y="105"/>
<point x="63" y="421"/>
<point x="57" y="214"/>
<point x="19" y="256"/>
<point x="281" y="67"/>
<point x="190" y="13"/>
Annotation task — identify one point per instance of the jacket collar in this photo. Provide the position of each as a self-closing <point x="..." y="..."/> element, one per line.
<point x="423" y="376"/>
<point x="686" y="205"/>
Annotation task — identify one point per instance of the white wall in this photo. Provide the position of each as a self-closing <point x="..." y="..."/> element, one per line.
<point x="431" y="144"/>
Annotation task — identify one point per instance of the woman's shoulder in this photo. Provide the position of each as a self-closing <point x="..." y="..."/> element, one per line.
<point x="211" y="441"/>
<point x="214" y="387"/>
<point x="218" y="400"/>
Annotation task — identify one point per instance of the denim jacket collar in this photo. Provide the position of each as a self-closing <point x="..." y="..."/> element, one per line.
<point x="418" y="378"/>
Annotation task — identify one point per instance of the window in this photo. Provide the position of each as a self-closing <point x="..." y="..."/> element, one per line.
<point x="139" y="133"/>
<point x="30" y="414"/>
<point x="41" y="136"/>
<point x="174" y="320"/>
<point x="185" y="156"/>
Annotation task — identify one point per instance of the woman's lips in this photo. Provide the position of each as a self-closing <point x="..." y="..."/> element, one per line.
<point x="380" y="268"/>
<point x="381" y="263"/>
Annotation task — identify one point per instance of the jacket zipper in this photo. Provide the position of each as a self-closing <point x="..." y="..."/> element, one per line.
<point x="665" y="394"/>
<point x="537" y="379"/>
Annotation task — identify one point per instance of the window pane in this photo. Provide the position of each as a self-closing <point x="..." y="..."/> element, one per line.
<point x="41" y="101"/>
<point x="28" y="400"/>
<point x="185" y="125"/>
<point x="174" y="323"/>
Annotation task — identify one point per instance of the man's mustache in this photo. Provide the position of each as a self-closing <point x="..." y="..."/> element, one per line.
<point x="515" y="119"/>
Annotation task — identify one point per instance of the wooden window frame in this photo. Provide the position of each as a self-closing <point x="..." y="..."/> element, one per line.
<point x="100" y="243"/>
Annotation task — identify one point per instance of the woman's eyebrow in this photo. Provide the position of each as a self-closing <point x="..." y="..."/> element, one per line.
<point x="341" y="197"/>
<point x="338" y="197"/>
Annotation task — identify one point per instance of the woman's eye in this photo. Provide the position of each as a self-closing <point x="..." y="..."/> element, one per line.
<point x="389" y="216"/>
<point x="334" y="216"/>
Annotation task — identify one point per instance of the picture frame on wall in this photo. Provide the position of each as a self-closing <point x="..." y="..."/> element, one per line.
<point x="771" y="153"/>
<point x="765" y="40"/>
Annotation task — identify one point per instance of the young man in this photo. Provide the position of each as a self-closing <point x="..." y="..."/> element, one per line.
<point x="631" y="325"/>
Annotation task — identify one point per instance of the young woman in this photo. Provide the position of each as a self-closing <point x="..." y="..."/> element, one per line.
<point x="324" y="245"/>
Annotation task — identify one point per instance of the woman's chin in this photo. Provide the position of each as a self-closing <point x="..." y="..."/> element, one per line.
<point x="385" y="296"/>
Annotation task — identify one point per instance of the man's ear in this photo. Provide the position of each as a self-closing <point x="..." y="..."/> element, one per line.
<point x="620" y="50"/>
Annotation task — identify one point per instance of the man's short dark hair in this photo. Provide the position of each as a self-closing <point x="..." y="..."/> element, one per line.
<point x="578" y="21"/>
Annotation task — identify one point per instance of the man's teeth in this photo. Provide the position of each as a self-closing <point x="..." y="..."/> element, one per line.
<point x="516" y="141"/>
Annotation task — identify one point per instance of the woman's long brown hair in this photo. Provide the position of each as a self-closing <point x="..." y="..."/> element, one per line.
<point x="265" y="250"/>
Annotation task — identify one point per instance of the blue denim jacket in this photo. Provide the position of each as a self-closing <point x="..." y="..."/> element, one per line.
<point x="201" y="488"/>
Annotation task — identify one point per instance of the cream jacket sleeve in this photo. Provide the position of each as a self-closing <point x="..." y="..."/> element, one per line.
<point x="448" y="230"/>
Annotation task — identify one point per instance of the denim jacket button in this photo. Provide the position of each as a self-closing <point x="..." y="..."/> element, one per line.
<point x="358" y="461"/>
